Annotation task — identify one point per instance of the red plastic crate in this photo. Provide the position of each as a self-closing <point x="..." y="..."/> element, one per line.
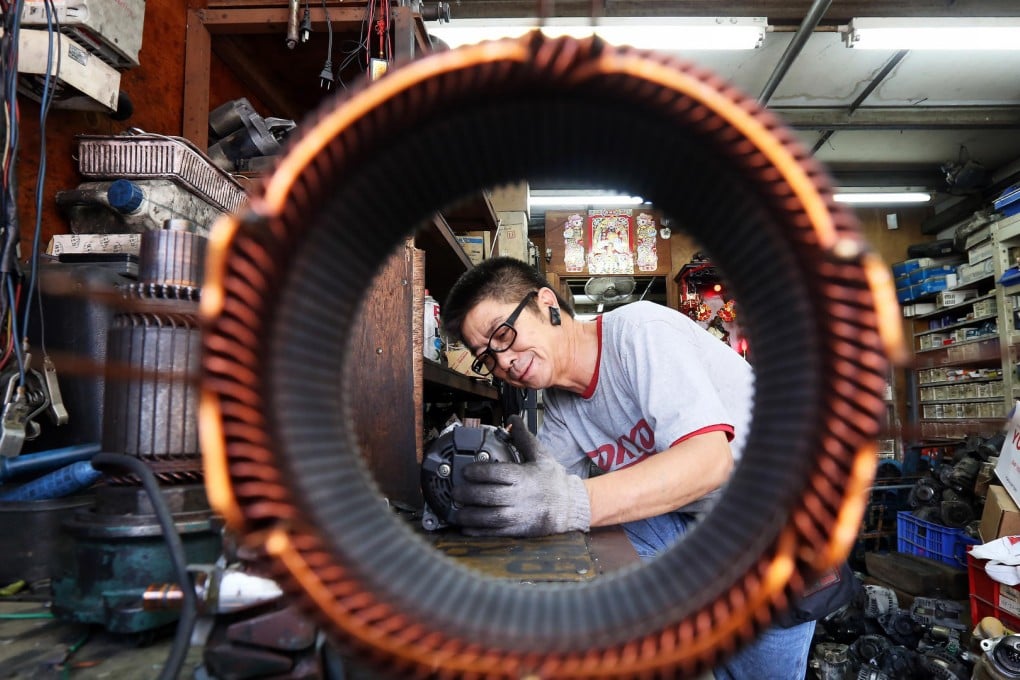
<point x="916" y="536"/>
<point x="991" y="598"/>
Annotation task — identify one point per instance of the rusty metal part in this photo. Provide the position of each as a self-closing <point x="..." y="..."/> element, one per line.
<point x="153" y="413"/>
<point x="277" y="640"/>
<point x="153" y="156"/>
<point x="172" y="258"/>
<point x="281" y="463"/>
<point x="168" y="469"/>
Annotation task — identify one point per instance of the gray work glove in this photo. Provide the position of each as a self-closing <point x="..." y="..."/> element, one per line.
<point x="533" y="498"/>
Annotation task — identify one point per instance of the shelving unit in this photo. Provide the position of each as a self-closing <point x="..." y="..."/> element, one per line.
<point x="1006" y="239"/>
<point x="445" y="261"/>
<point x="249" y="40"/>
<point x="966" y="354"/>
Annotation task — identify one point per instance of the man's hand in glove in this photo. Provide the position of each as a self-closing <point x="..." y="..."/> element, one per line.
<point x="534" y="498"/>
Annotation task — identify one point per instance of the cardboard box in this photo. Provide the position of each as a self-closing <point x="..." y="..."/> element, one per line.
<point x="512" y="236"/>
<point x="459" y="358"/>
<point x="948" y="298"/>
<point x="511" y="198"/>
<point x="94" y="243"/>
<point x="919" y="308"/>
<point x="1008" y="467"/>
<point x="1001" y="516"/>
<point x="476" y="245"/>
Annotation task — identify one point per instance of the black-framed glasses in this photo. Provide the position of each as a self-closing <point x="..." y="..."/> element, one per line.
<point x="500" y="340"/>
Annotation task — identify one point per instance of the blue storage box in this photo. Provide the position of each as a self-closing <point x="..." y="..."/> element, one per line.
<point x="921" y="275"/>
<point x="915" y="536"/>
<point x="903" y="268"/>
<point x="929" y="286"/>
<point x="904" y="294"/>
<point x="1008" y="202"/>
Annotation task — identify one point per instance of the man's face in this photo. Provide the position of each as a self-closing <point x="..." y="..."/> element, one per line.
<point x="524" y="360"/>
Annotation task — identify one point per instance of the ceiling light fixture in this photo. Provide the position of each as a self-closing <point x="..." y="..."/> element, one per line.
<point x="653" y="33"/>
<point x="939" y="33"/>
<point x="882" y="197"/>
<point x="577" y="199"/>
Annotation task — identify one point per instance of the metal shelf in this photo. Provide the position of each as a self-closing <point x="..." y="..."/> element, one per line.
<point x="437" y="375"/>
<point x="971" y="341"/>
<point x="959" y="382"/>
<point x="942" y="310"/>
<point x="968" y="400"/>
<point x="958" y="324"/>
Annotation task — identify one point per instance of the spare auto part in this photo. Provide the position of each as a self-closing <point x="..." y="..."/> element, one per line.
<point x="442" y="467"/>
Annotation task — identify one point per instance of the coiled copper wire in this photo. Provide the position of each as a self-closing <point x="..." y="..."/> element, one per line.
<point x="281" y="464"/>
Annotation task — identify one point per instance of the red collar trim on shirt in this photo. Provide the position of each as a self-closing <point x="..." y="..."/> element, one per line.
<point x="590" y="389"/>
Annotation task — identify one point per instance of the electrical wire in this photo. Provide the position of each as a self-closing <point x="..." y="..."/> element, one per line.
<point x="12" y="301"/>
<point x="189" y="606"/>
<point x="326" y="76"/>
<point x="53" y="30"/>
<point x="10" y="235"/>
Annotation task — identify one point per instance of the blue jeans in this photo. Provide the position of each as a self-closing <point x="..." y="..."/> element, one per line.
<point x="777" y="653"/>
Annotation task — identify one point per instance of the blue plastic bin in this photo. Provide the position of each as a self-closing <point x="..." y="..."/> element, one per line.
<point x="917" y="537"/>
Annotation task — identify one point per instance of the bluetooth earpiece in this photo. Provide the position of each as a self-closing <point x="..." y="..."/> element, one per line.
<point x="554" y="316"/>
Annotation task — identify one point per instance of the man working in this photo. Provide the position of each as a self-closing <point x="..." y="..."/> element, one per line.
<point x="650" y="398"/>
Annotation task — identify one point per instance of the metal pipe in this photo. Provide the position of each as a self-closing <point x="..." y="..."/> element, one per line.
<point x="292" y="24"/>
<point x="856" y="103"/>
<point x="804" y="31"/>
<point x="45" y="460"/>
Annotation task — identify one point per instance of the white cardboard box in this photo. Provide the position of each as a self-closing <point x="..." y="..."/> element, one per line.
<point x="948" y="298"/>
<point x="94" y="243"/>
<point x="1008" y="467"/>
<point x="512" y="235"/>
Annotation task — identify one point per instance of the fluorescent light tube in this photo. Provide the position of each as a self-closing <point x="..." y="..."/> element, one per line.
<point x="577" y="200"/>
<point x="653" y="33"/>
<point x="984" y="33"/>
<point x="882" y="198"/>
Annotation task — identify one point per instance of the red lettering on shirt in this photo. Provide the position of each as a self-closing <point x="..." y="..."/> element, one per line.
<point x="626" y="450"/>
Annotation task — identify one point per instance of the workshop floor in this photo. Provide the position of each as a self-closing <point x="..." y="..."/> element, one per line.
<point x="37" y="647"/>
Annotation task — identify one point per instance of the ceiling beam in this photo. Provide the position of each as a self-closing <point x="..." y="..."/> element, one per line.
<point x="902" y="118"/>
<point x="779" y="12"/>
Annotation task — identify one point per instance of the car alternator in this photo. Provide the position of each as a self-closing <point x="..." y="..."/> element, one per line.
<point x="442" y="467"/>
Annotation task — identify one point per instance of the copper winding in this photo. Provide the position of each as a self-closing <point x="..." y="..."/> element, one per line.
<point x="250" y="478"/>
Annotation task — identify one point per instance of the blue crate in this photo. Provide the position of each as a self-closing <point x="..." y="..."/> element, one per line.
<point x="934" y="541"/>
<point x="905" y="267"/>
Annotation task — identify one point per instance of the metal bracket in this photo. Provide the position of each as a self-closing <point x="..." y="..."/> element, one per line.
<point x="57" y="410"/>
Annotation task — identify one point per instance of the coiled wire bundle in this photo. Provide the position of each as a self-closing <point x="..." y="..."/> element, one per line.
<point x="281" y="462"/>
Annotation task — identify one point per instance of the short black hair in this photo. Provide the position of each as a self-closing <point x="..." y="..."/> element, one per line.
<point x="505" y="279"/>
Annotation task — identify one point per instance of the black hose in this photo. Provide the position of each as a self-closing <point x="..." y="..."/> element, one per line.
<point x="189" y="608"/>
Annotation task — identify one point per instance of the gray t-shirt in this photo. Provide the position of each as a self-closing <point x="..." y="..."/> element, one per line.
<point x="660" y="378"/>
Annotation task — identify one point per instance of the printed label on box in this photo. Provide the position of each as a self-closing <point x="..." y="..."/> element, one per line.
<point x="1009" y="599"/>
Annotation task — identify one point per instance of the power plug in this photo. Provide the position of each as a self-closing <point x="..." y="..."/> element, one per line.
<point x="306" y="26"/>
<point x="326" y="77"/>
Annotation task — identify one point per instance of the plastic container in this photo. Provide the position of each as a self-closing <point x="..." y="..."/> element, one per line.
<point x="432" y="342"/>
<point x="917" y="537"/>
<point x="991" y="598"/>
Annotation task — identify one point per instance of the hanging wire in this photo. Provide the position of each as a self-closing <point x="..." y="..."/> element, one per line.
<point x="13" y="293"/>
<point x="53" y="29"/>
<point x="11" y="234"/>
